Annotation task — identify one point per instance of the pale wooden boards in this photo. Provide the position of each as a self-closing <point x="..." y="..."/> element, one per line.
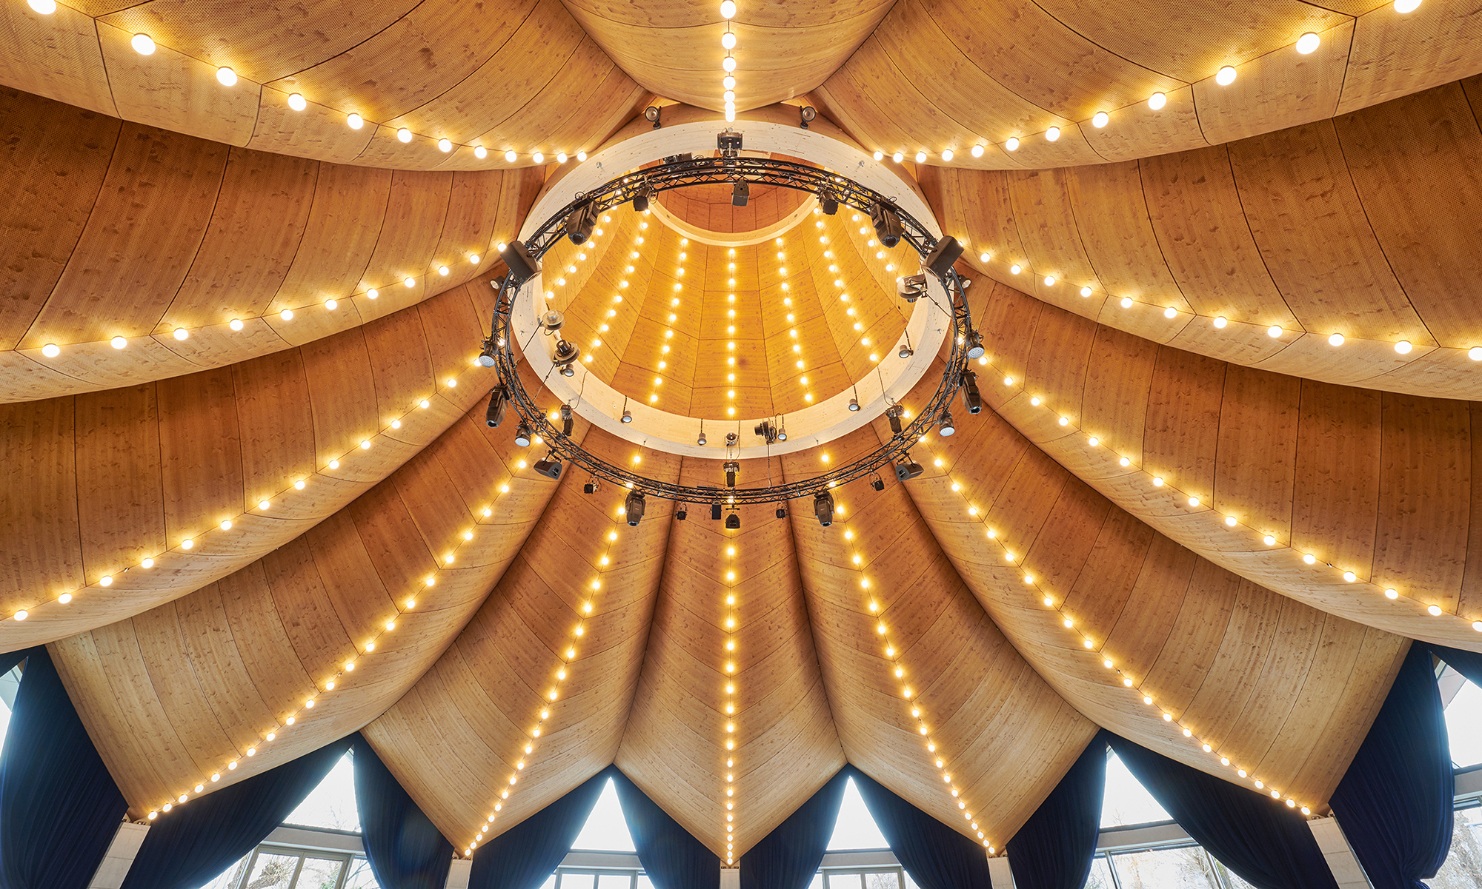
<point x="1359" y="226"/>
<point x="121" y="230"/>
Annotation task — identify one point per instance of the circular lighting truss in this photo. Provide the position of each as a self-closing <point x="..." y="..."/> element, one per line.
<point x="937" y="256"/>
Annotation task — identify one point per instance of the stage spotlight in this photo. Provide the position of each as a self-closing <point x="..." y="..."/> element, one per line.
<point x="906" y="469"/>
<point x="807" y="114"/>
<point x="947" y="427"/>
<point x="877" y="482"/>
<point x="729" y="143"/>
<point x="627" y="416"/>
<point x="580" y="223"/>
<point x="715" y="512"/>
<point x="893" y="414"/>
<point x="781" y="511"/>
<point x="911" y="287"/>
<point x="523" y="435"/>
<point x="682" y="512"/>
<point x="943" y="256"/>
<point x="975" y="345"/>
<point x="702" y="440"/>
<point x="566" y="354"/>
<point x="549" y="468"/>
<point x="633" y="508"/>
<point x="732" y="469"/>
<point x="522" y="267"/>
<point x="486" y="352"/>
<point x="592" y="486"/>
<point x="498" y="400"/>
<point x="641" y="199"/>
<point x="828" y="203"/>
<point x="905" y="350"/>
<point x="568" y="420"/>
<point x="823" y="508"/>
<point x="740" y="193"/>
<point x="970" y="394"/>
<point x="766" y="430"/>
<point x="733" y="522"/>
<point x="853" y="405"/>
<point x="653" y="113"/>
<point x="887" y="224"/>
<point x="782" y="432"/>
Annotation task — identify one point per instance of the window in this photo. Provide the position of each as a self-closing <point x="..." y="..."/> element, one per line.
<point x="331" y="805"/>
<point x="9" y="684"/>
<point x="271" y="867"/>
<point x="1463" y="868"/>
<point x="860" y="878"/>
<point x="1126" y="800"/>
<point x="606" y="829"/>
<point x="855" y="829"/>
<point x="1463" y="720"/>
<point x="1167" y="867"/>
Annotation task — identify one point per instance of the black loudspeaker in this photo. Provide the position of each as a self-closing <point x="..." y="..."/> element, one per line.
<point x="521" y="264"/>
<point x="943" y="256"/>
<point x="551" y="469"/>
<point x="908" y="471"/>
<point x="715" y="512"/>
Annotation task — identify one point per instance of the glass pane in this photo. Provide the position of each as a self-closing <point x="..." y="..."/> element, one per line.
<point x="1232" y="879"/>
<point x="883" y="880"/>
<point x="272" y="872"/>
<point x="845" y="881"/>
<point x="817" y="882"/>
<point x="360" y="876"/>
<point x="1463" y="868"/>
<point x="319" y="873"/>
<point x="614" y="881"/>
<point x="855" y="829"/>
<point x="332" y="803"/>
<point x="577" y="881"/>
<point x="1464" y="725"/>
<point x="550" y="882"/>
<point x="1100" y="877"/>
<point x="1126" y="800"/>
<point x="606" y="829"/>
<point x="645" y="883"/>
<point x="11" y="681"/>
<point x="229" y="878"/>
<point x="1183" y="868"/>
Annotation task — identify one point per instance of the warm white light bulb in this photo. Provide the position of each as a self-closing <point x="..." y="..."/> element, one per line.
<point x="445" y="145"/>
<point x="51" y="350"/>
<point x="1157" y="100"/>
<point x="1403" y="347"/>
<point x="1100" y="119"/>
<point x="509" y="156"/>
<point x="920" y="157"/>
<point x="728" y="40"/>
<point x="728" y="9"/>
<point x="480" y="152"/>
<point x="879" y="155"/>
<point x="538" y="157"/>
<point x="1225" y="76"/>
<point x="354" y="120"/>
<point x="728" y="64"/>
<point x="118" y="342"/>
<point x="1335" y="340"/>
<point x="143" y="44"/>
<point x="45" y="7"/>
<point x="404" y="135"/>
<point x="1406" y="6"/>
<point x="181" y="333"/>
<point x="1052" y="134"/>
<point x="226" y="76"/>
<point x="1307" y="44"/>
<point x="297" y="102"/>
<point x="898" y="157"/>
<point x="947" y="154"/>
<point x="977" y="151"/>
<point x="1012" y="143"/>
<point x="1220" y="322"/>
<point x="1274" y="331"/>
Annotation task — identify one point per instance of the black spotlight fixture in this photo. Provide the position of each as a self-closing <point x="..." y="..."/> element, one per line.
<point x="633" y="508"/>
<point x="887" y="224"/>
<point x="823" y="508"/>
<point x="907" y="469"/>
<point x="854" y="401"/>
<point x="943" y="256"/>
<point x="568" y="420"/>
<point x="893" y="414"/>
<point x="522" y="266"/>
<point x="640" y="200"/>
<point x="523" y="435"/>
<point x="946" y="427"/>
<point x="911" y="287"/>
<point x="766" y="430"/>
<point x="740" y="193"/>
<point x="877" y="482"/>
<point x="975" y="344"/>
<point x="728" y="141"/>
<point x="970" y="394"/>
<point x="592" y="486"/>
<point x="715" y="512"/>
<point x="498" y="400"/>
<point x="806" y="115"/>
<point x="486" y="352"/>
<point x="565" y="358"/>
<point x="548" y="467"/>
<point x="733" y="521"/>
<point x="782" y="431"/>
<point x="627" y="416"/>
<point x="781" y="511"/>
<point x="580" y="223"/>
<point x="905" y="350"/>
<point x="653" y="113"/>
<point x="682" y="512"/>
<point x="733" y="469"/>
<point x="701" y="440"/>
<point x="827" y="201"/>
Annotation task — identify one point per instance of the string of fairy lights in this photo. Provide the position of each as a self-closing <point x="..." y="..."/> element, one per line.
<point x="366" y="647"/>
<point x="560" y="677"/>
<point x="731" y="631"/>
<point x="878" y="612"/>
<point x="661" y="363"/>
<point x="1092" y="643"/>
<point x="1305" y="45"/>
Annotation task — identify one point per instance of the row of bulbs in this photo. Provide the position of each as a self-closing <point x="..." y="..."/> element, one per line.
<point x="1125" y="679"/>
<point x="1305" y="45"/>
<point x="1222" y="322"/>
<point x="1228" y="518"/>
<point x="340" y="677"/>
<point x="237" y="323"/>
<point x="562" y="675"/>
<point x="731" y="626"/>
<point x="893" y="655"/>
<point x="264" y="505"/>
<point x="145" y="45"/>
<point x="728" y="63"/>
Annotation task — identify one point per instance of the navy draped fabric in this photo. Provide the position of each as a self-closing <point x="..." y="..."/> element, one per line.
<point x="59" y="808"/>
<point x="1267" y="844"/>
<point x="194" y="843"/>
<point x="1467" y="663"/>
<point x="523" y="856"/>
<point x="788" y="857"/>
<point x="403" y="847"/>
<point x="670" y="855"/>
<point x="1395" y="801"/>
<point x="9" y="659"/>
<point x="935" y="855"/>
<point x="1054" y="848"/>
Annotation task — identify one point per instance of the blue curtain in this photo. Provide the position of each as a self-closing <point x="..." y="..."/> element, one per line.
<point x="1260" y="839"/>
<point x="403" y="847"/>
<point x="193" y="844"/>
<point x="935" y="855"/>
<point x="788" y="857"/>
<point x="1395" y="801"/>
<point x="670" y="855"/>
<point x="1054" y="848"/>
<point x="59" y="807"/>
<point x="523" y="856"/>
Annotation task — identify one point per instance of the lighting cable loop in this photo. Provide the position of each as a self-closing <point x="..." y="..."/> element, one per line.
<point x="562" y="675"/>
<point x="1194" y="502"/>
<point x="877" y="611"/>
<point x="322" y="688"/>
<point x="706" y="170"/>
<point x="1089" y="644"/>
<point x="730" y="656"/>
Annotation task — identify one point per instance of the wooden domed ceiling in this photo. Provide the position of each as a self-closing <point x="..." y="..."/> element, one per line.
<point x="1225" y="474"/>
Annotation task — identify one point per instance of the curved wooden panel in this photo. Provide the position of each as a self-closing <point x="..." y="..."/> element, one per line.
<point x="485" y="696"/>
<point x="1357" y="227"/>
<point x="431" y="67"/>
<point x="179" y="693"/>
<point x="941" y="75"/>
<point x="731" y="696"/>
<point x="1359" y="492"/>
<point x="203" y="474"/>
<point x="1004" y="736"/>
<point x="132" y="232"/>
<point x="1280" y="689"/>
